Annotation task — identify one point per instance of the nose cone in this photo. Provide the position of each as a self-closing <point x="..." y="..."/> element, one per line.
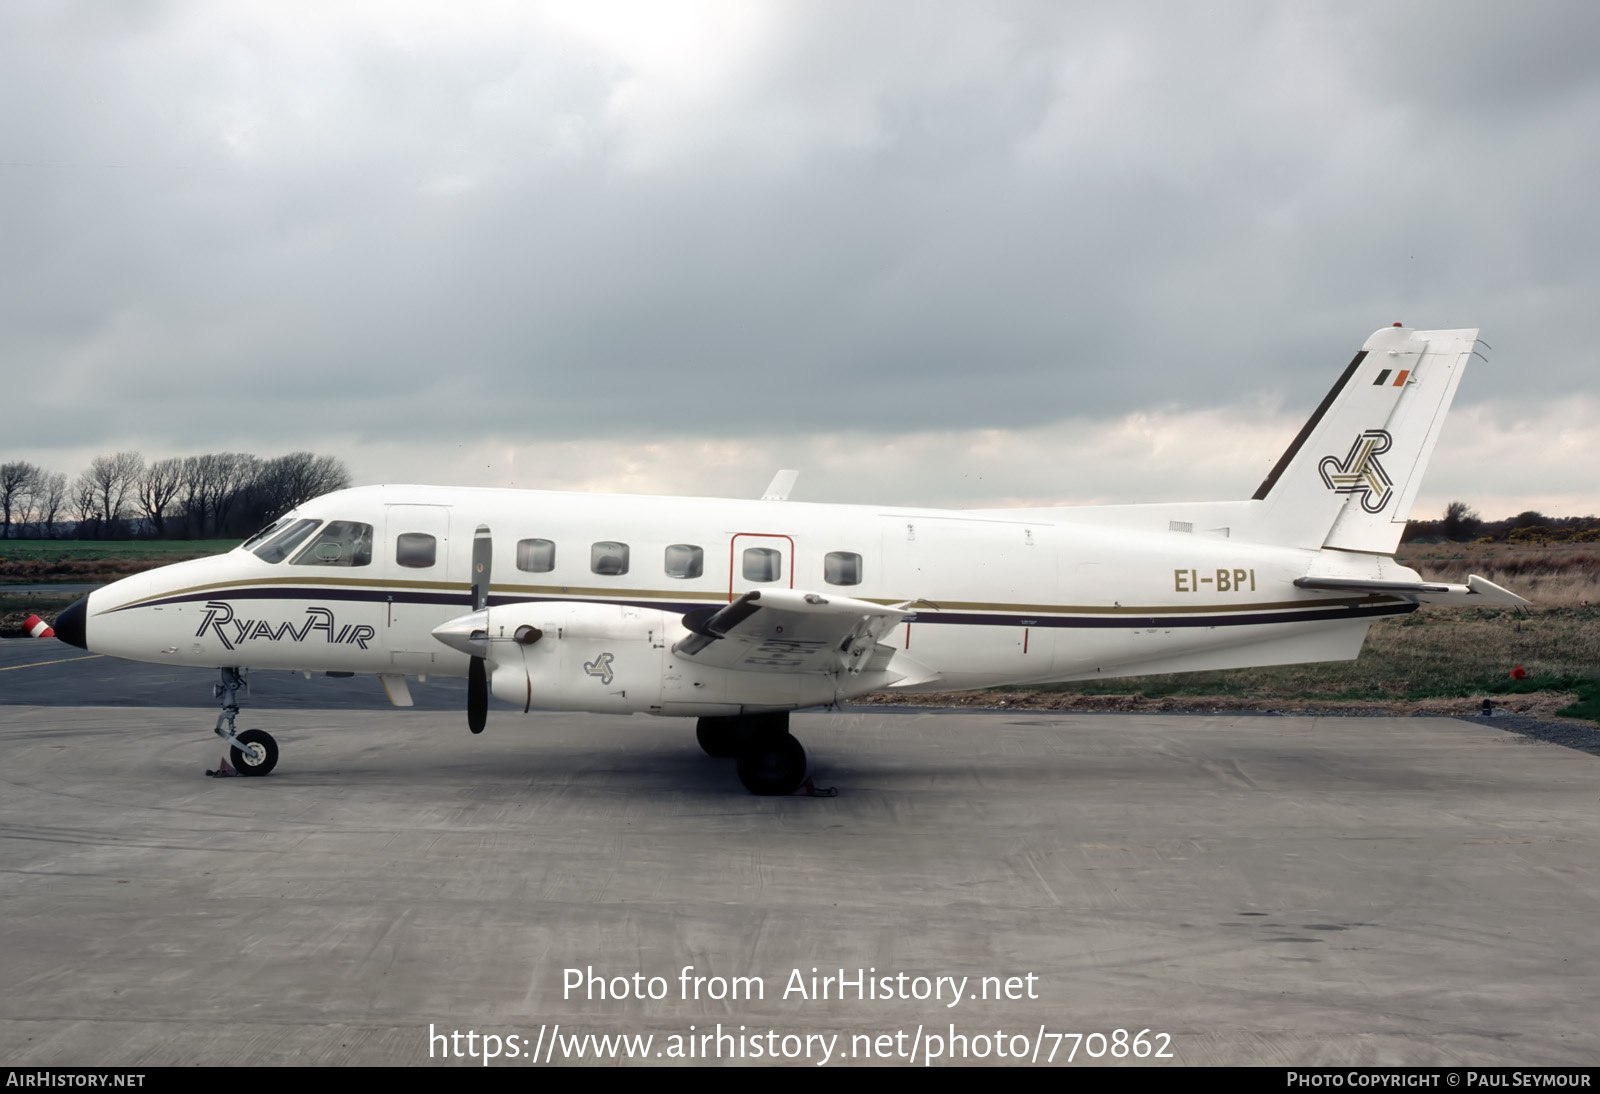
<point x="70" y="624"/>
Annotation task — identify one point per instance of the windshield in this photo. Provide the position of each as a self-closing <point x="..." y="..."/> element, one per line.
<point x="278" y="547"/>
<point x="263" y="534"/>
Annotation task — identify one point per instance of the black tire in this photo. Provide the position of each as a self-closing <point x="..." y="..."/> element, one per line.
<point x="259" y="755"/>
<point x="761" y="727"/>
<point x="718" y="737"/>
<point x="772" y="765"/>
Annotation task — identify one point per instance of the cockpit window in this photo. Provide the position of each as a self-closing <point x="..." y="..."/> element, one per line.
<point x="264" y="533"/>
<point x="279" y="546"/>
<point x="340" y="543"/>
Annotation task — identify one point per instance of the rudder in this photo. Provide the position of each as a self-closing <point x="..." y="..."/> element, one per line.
<point x="1349" y="478"/>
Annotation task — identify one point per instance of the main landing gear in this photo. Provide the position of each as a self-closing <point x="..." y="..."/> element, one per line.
<point x="771" y="761"/>
<point x="252" y="752"/>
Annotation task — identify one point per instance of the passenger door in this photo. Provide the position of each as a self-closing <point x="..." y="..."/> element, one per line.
<point x="418" y="593"/>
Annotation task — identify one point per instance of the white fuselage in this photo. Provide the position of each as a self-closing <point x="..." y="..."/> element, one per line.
<point x="1008" y="597"/>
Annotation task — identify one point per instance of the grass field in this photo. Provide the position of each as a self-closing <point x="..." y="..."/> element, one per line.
<point x="1433" y="653"/>
<point x="1558" y="576"/>
<point x="40" y="561"/>
<point x="80" y="561"/>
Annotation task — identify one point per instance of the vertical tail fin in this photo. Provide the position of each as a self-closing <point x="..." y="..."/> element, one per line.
<point x="1350" y="476"/>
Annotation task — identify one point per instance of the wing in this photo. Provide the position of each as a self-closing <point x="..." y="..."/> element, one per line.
<point x="787" y="630"/>
<point x="1475" y="591"/>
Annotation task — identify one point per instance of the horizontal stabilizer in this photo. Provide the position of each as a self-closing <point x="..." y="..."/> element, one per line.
<point x="1477" y="590"/>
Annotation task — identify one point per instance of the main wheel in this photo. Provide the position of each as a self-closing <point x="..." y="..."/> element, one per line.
<point x="719" y="737"/>
<point x="259" y="754"/>
<point x="773" y="765"/>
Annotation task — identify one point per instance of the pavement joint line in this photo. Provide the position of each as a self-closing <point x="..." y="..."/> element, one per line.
<point x="41" y="664"/>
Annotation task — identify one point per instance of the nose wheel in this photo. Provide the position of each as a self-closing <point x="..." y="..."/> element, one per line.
<point x="252" y="752"/>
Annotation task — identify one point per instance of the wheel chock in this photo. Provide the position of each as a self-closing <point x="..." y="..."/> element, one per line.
<point x="224" y="770"/>
<point x="810" y="789"/>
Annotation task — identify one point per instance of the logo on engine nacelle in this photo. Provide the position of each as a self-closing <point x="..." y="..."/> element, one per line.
<point x="601" y="667"/>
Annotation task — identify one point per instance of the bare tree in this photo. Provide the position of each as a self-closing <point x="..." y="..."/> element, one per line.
<point x="50" y="494"/>
<point x="16" y="483"/>
<point x="114" y="477"/>
<point x="231" y="474"/>
<point x="157" y="488"/>
<point x="194" y="488"/>
<point x="28" y="502"/>
<point x="86" y="504"/>
<point x="287" y="481"/>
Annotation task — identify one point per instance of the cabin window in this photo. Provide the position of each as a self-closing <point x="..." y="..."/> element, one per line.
<point x="281" y="545"/>
<point x="609" y="559"/>
<point x="685" y="560"/>
<point x="340" y="543"/>
<point x="536" y="556"/>
<point x="763" y="564"/>
<point x="418" y="550"/>
<point x="841" y="568"/>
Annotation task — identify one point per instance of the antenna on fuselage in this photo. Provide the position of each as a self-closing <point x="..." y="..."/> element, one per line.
<point x="778" y="489"/>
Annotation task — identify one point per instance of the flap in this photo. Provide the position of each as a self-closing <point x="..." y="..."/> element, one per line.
<point x="787" y="630"/>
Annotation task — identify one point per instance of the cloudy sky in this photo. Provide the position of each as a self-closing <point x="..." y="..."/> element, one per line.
<point x="929" y="253"/>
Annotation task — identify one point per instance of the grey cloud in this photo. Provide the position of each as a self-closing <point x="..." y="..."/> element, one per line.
<point x="887" y="217"/>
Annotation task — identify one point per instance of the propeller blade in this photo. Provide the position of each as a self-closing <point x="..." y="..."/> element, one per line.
<point x="477" y="696"/>
<point x="477" y="677"/>
<point x="482" y="563"/>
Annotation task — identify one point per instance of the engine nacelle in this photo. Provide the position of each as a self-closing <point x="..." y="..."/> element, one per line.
<point x="618" y="659"/>
<point x="606" y="658"/>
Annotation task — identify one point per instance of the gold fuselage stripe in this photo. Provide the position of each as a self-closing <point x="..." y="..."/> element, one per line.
<point x="710" y="597"/>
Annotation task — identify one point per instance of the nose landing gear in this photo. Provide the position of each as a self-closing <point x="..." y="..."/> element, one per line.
<point x="252" y="752"/>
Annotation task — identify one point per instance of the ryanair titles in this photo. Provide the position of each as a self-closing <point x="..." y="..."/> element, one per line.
<point x="318" y="621"/>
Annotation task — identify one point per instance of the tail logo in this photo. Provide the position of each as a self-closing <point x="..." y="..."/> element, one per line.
<point x="1360" y="472"/>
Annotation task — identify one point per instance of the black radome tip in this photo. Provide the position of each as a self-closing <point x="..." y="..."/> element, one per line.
<point x="70" y="624"/>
